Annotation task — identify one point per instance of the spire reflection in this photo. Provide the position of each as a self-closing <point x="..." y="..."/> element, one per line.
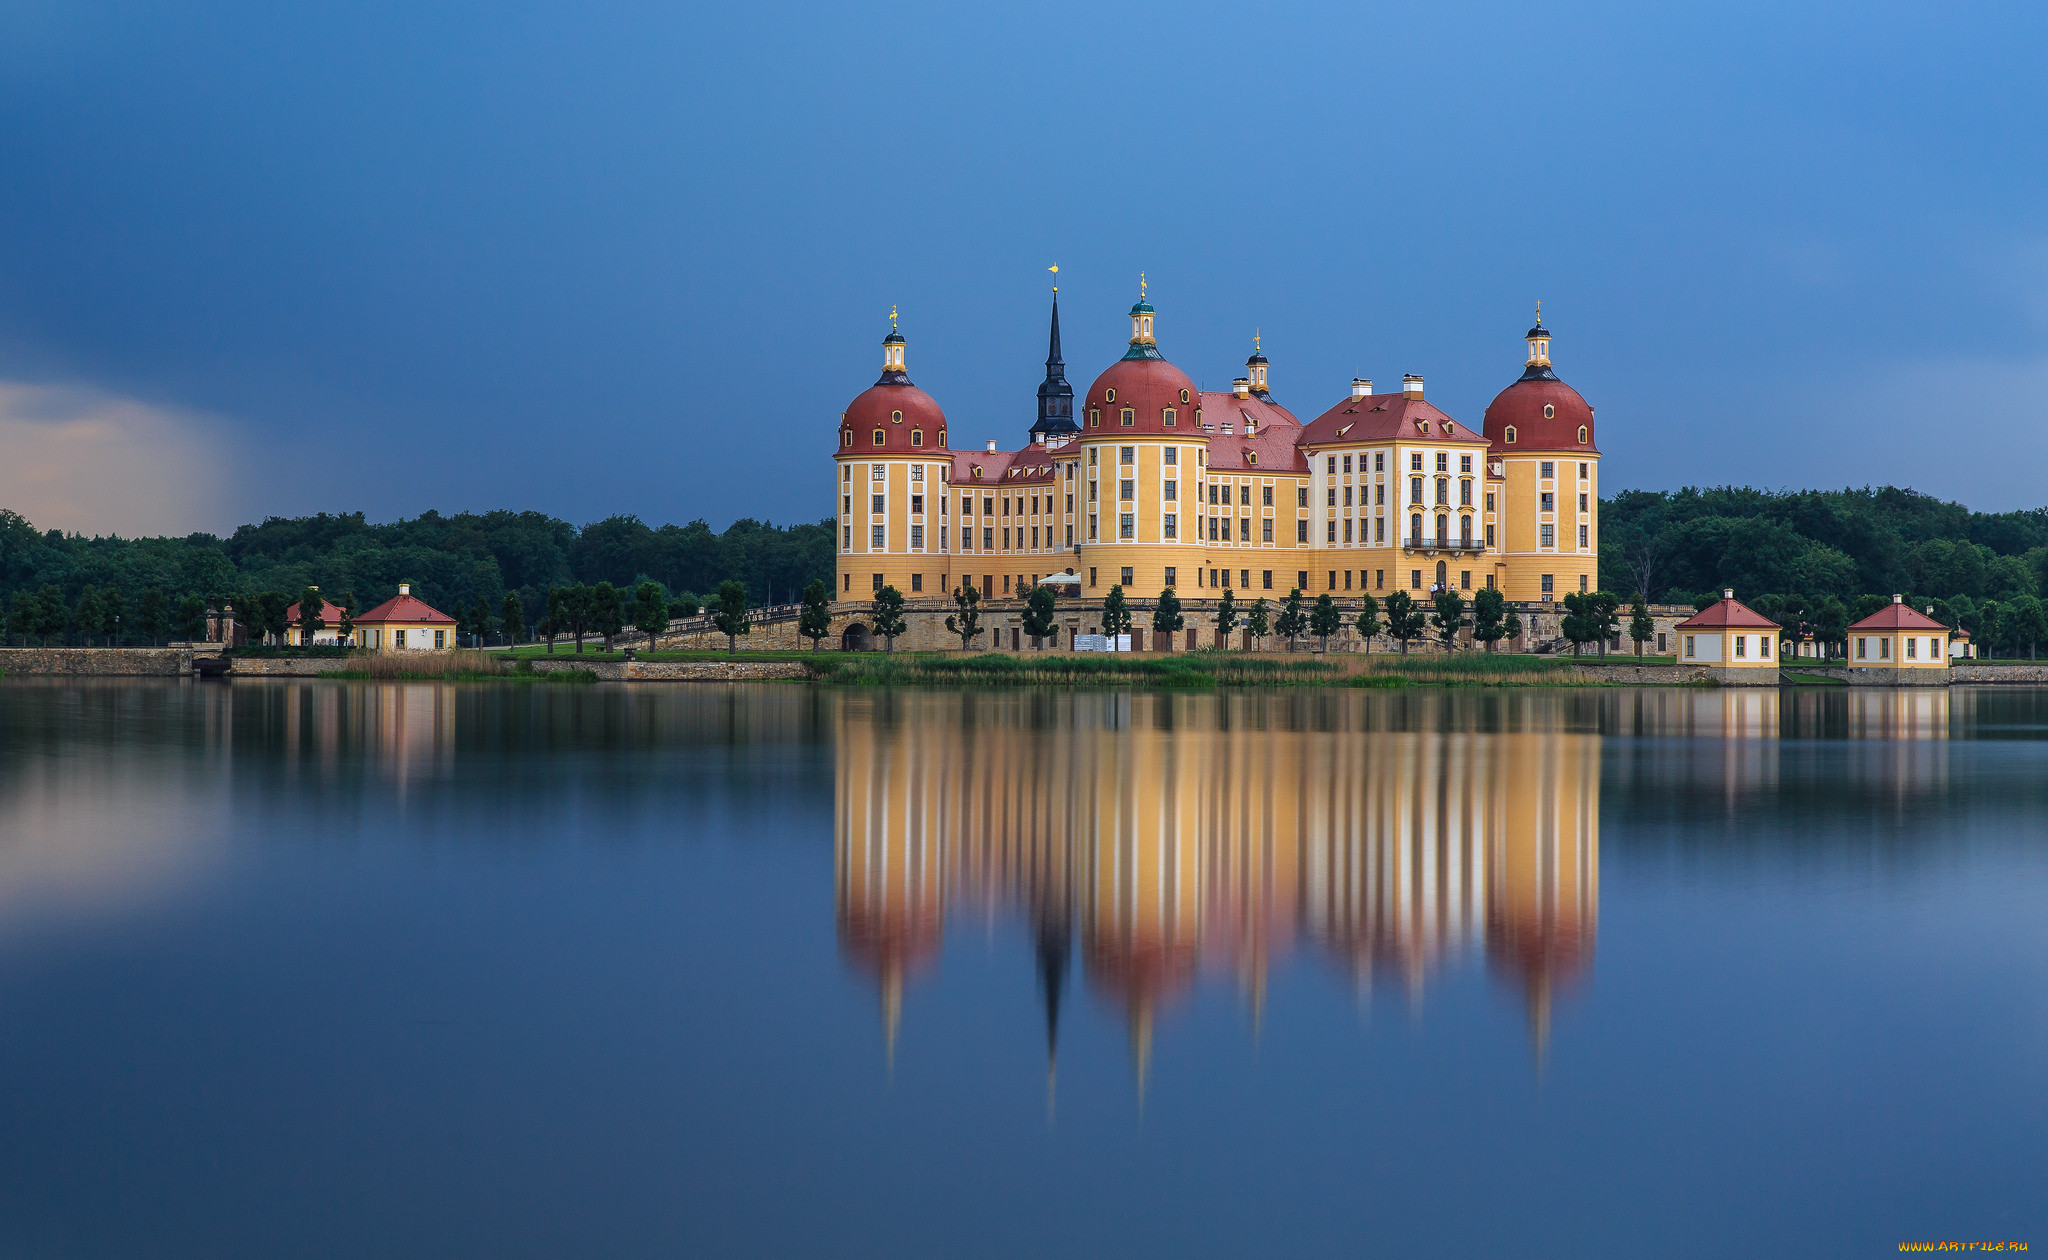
<point x="1185" y="838"/>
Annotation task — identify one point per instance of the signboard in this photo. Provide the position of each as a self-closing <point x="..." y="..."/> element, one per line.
<point x="1102" y="643"/>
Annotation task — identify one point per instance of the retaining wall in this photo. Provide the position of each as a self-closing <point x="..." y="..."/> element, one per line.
<point x="1660" y="675"/>
<point x="1981" y="672"/>
<point x="160" y="662"/>
<point x="679" y="671"/>
<point x="287" y="666"/>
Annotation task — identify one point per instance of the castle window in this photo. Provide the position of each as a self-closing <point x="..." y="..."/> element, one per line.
<point x="1170" y="415"/>
<point x="878" y="472"/>
<point x="917" y="437"/>
<point x="1251" y="457"/>
<point x="895" y="417"/>
<point x="1546" y="470"/>
<point x="1128" y="416"/>
<point x="1094" y="418"/>
<point x="1173" y="455"/>
<point x="1582" y="442"/>
<point x="846" y="437"/>
<point x="1172" y="525"/>
<point x="1198" y="415"/>
<point x="1129" y="454"/>
<point x="1183" y="396"/>
<point x="1126" y="525"/>
<point x="1109" y="395"/>
<point x="1549" y="412"/>
<point x="880" y="437"/>
<point x="1511" y="435"/>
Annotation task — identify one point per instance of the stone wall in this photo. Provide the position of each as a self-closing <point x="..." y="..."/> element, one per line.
<point x="1657" y="675"/>
<point x="160" y="662"/>
<point x="2025" y="673"/>
<point x="678" y="671"/>
<point x="288" y="666"/>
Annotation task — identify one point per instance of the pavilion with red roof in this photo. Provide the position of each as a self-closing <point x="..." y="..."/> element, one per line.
<point x="1731" y="638"/>
<point x="1898" y="644"/>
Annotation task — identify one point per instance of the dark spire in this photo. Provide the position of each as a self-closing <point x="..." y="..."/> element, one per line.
<point x="1055" y="397"/>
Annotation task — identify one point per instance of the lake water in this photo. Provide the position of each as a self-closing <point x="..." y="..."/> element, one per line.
<point x="345" y="969"/>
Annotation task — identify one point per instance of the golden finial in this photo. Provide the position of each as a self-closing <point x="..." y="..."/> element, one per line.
<point x="1141" y="286"/>
<point x="1055" y="270"/>
<point x="1539" y="312"/>
<point x="892" y="317"/>
<point x="1255" y="340"/>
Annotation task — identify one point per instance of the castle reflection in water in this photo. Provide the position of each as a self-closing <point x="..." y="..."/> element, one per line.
<point x="1171" y="837"/>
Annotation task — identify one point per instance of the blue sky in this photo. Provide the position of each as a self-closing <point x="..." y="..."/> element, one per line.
<point x="611" y="258"/>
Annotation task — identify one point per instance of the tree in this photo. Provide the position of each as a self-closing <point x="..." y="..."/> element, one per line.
<point x="85" y="617"/>
<point x="111" y="608"/>
<point x="1449" y="616"/>
<point x="312" y="618"/>
<point x="687" y="605"/>
<point x="1291" y="622"/>
<point x="556" y="619"/>
<point x="572" y="616"/>
<point x="191" y="620"/>
<point x="814" y="617"/>
<point x="1831" y="622"/>
<point x="1489" y="616"/>
<point x="512" y="617"/>
<point x="965" y="620"/>
<point x="1606" y="605"/>
<point x="1577" y="623"/>
<point x="346" y="628"/>
<point x="480" y="619"/>
<point x="24" y="614"/>
<point x="1368" y="622"/>
<point x="1640" y="627"/>
<point x="889" y="620"/>
<point x="1987" y="628"/>
<point x="50" y="612"/>
<point x="1324" y="620"/>
<point x="2026" y="622"/>
<point x="265" y="614"/>
<point x="729" y="614"/>
<point x="1116" y="613"/>
<point x="1166" y="617"/>
<point x="1258" y="623"/>
<point x="152" y="617"/>
<point x="1039" y="614"/>
<point x="650" y="611"/>
<point x="1226" y="619"/>
<point x="1404" y="619"/>
<point x="607" y="612"/>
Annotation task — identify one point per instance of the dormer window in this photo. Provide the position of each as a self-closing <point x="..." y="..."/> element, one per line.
<point x="1582" y="435"/>
<point x="942" y="437"/>
<point x="917" y="437"/>
<point x="1251" y="457"/>
<point x="1128" y="417"/>
<point x="846" y="437"/>
<point x="1423" y="425"/>
<point x="977" y="472"/>
<point x="1450" y="429"/>
<point x="1109" y="395"/>
<point x="895" y="417"/>
<point x="1183" y="396"/>
<point x="880" y="437"/>
<point x="1511" y="435"/>
<point x="1094" y="418"/>
<point x="1549" y="412"/>
<point x="1170" y="416"/>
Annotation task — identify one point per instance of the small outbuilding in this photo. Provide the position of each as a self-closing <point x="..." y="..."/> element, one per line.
<point x="330" y="624"/>
<point x="1897" y="645"/>
<point x="1733" y="640"/>
<point x="405" y="624"/>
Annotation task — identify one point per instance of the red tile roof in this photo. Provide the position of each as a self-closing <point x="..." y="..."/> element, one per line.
<point x="330" y="614"/>
<point x="1384" y="418"/>
<point x="1899" y="616"/>
<point x="1728" y="614"/>
<point x="405" y="608"/>
<point x="1033" y="465"/>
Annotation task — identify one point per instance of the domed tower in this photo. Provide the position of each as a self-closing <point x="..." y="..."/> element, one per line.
<point x="1143" y="455"/>
<point x="1544" y="473"/>
<point x="893" y="464"/>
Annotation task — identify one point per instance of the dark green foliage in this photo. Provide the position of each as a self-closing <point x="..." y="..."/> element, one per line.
<point x="512" y="617"/>
<point x="889" y="620"/>
<point x="480" y="623"/>
<point x="1489" y="617"/>
<point x="1226" y="616"/>
<point x="1324" y="620"/>
<point x="1640" y="628"/>
<point x="1404" y="619"/>
<point x="1166" y="615"/>
<point x="349" y="608"/>
<point x="650" y="610"/>
<point x="1039" y="614"/>
<point x="152" y="618"/>
<point x="814" y="619"/>
<point x="607" y="612"/>
<point x="191" y="622"/>
<point x="1449" y="615"/>
<point x="1292" y="621"/>
<point x="1258" y="623"/>
<point x="1368" y="623"/>
<point x="729" y="614"/>
<point x="1116" y="612"/>
<point x="687" y="605"/>
<point x="311" y="618"/>
<point x="1579" y="623"/>
<point x="965" y="621"/>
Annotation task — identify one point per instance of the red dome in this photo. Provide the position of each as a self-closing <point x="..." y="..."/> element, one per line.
<point x="897" y="410"/>
<point x="1148" y="387"/>
<point x="1521" y="405"/>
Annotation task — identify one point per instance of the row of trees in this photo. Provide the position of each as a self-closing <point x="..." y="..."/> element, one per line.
<point x="101" y="614"/>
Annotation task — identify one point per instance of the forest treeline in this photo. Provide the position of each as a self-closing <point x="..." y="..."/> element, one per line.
<point x="1800" y="554"/>
<point x="452" y="562"/>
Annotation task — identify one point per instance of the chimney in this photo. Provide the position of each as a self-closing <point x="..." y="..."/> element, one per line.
<point x="1242" y="387"/>
<point x="1727" y="592"/>
<point x="1898" y="599"/>
<point x="405" y="588"/>
<point x="1360" y="387"/>
<point x="991" y="446"/>
<point x="1411" y="385"/>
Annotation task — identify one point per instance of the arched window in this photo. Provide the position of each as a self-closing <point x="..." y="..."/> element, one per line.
<point x="1094" y="418"/>
<point x="1443" y="575"/>
<point x="942" y="437"/>
<point x="880" y="437"/>
<point x="1443" y="530"/>
<point x="846" y="437"/>
<point x="1415" y="530"/>
<point x="917" y="437"/>
<point x="1511" y="435"/>
<point x="1582" y="435"/>
<point x="1171" y="416"/>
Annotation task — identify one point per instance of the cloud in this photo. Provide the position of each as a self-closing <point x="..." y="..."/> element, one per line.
<point x="86" y="461"/>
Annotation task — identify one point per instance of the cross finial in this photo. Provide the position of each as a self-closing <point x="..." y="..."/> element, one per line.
<point x="892" y="317"/>
<point x="1255" y="340"/>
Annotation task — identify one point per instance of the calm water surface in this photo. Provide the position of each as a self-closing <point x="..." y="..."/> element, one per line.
<point x="333" y="969"/>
